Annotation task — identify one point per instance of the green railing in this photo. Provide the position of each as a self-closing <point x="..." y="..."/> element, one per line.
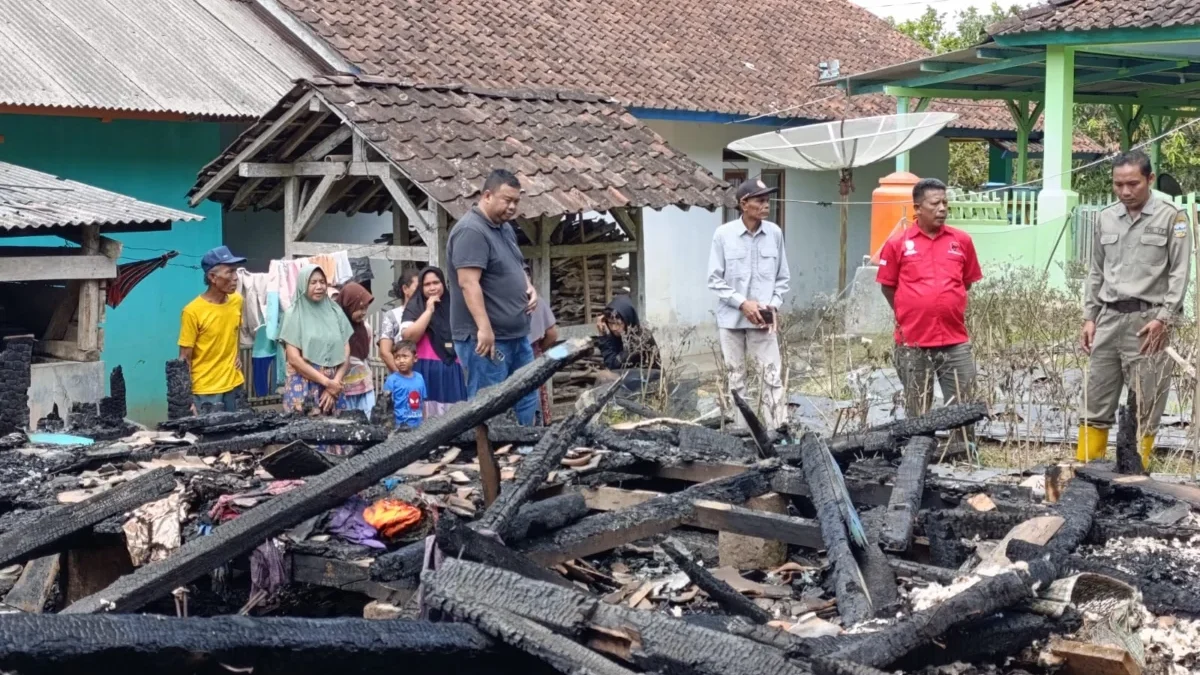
<point x="1000" y="207"/>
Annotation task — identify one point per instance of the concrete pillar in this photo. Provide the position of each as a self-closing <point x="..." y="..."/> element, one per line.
<point x="1057" y="199"/>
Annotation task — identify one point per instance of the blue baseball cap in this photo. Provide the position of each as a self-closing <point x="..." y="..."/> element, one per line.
<point x="220" y="255"/>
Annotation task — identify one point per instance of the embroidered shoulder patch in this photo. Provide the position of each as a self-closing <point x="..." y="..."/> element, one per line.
<point x="1181" y="217"/>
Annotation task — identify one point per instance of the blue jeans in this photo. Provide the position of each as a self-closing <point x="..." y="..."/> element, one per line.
<point x="227" y="402"/>
<point x="482" y="372"/>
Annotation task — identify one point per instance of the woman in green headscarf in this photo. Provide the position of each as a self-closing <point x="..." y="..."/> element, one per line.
<point x="316" y="338"/>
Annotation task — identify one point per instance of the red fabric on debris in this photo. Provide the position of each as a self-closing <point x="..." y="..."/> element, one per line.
<point x="229" y="507"/>
<point x="392" y="517"/>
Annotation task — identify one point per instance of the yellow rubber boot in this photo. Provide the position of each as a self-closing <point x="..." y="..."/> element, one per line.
<point x="1147" y="451"/>
<point x="1093" y="443"/>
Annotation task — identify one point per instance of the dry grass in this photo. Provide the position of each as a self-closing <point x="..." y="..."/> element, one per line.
<point x="1025" y="337"/>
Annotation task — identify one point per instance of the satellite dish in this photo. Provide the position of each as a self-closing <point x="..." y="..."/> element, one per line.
<point x="833" y="146"/>
<point x="842" y="146"/>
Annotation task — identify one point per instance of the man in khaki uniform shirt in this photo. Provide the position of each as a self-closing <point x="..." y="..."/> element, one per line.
<point x="1137" y="279"/>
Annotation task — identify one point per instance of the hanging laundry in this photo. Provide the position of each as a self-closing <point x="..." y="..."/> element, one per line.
<point x="131" y="274"/>
<point x="392" y="517"/>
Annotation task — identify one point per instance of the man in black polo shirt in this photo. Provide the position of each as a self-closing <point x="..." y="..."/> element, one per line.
<point x="490" y="296"/>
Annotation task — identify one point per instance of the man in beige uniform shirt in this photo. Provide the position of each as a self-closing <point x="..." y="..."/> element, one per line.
<point x="1137" y="279"/>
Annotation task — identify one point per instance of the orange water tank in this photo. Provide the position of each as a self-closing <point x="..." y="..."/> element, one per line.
<point x="890" y="203"/>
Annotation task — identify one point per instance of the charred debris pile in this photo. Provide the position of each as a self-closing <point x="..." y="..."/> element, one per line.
<point x="225" y="542"/>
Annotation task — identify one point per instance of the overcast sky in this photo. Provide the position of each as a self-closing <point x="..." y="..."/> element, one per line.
<point x="909" y="9"/>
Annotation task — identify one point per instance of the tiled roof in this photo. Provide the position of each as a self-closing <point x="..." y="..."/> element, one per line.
<point x="572" y="152"/>
<point x="1082" y="15"/>
<point x="32" y="200"/>
<point x="207" y="58"/>
<point x="700" y="55"/>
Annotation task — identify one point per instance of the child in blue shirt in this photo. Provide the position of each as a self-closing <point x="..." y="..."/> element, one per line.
<point x="406" y="387"/>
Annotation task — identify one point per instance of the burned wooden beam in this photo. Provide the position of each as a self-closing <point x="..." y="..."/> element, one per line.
<point x="63" y="521"/>
<point x="907" y="568"/>
<point x="323" y="492"/>
<point x="990" y="639"/>
<point x="1143" y="484"/>
<point x="489" y="470"/>
<point x="986" y="597"/>
<point x="1104" y="530"/>
<point x="1129" y="455"/>
<point x="989" y="595"/>
<point x="760" y="434"/>
<point x="147" y="643"/>
<point x="854" y="602"/>
<point x="455" y="538"/>
<point x="547" y="456"/>
<point x="533" y="520"/>
<point x="704" y="443"/>
<point x="907" y="492"/>
<point x="179" y="389"/>
<point x="241" y="420"/>
<point x="563" y="654"/>
<point x="313" y="431"/>
<point x="606" y="531"/>
<point x="537" y="518"/>
<point x="503" y="434"/>
<point x="35" y="585"/>
<point x="887" y="438"/>
<point x="648" y="640"/>
<point x="718" y="591"/>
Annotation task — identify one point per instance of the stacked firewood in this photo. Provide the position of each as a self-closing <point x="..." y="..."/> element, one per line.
<point x="581" y="287"/>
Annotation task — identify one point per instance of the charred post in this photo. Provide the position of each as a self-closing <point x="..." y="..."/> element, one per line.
<point x="1129" y="456"/>
<point x="854" y="603"/>
<point x="179" y="389"/>
<point x="456" y="539"/>
<point x="15" y="378"/>
<point x="760" y="434"/>
<point x="887" y="438"/>
<point x="909" y="487"/>
<point x="547" y="455"/>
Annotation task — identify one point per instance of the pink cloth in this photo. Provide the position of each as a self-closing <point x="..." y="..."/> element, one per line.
<point x="425" y="349"/>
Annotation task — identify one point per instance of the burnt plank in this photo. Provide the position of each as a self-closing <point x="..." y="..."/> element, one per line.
<point x="649" y="641"/>
<point x="33" y="588"/>
<point x="606" y="531"/>
<point x="760" y="434"/>
<point x="888" y="437"/>
<point x="323" y="492"/>
<point x="295" y="460"/>
<point x="147" y="643"/>
<point x="455" y="538"/>
<point x="909" y="488"/>
<point x="63" y="521"/>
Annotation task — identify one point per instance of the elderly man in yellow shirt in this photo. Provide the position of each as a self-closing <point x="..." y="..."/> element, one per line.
<point x="208" y="334"/>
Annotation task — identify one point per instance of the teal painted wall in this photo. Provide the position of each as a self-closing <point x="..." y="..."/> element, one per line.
<point x="155" y="162"/>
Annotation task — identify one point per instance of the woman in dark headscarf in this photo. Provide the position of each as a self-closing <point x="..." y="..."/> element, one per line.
<point x="624" y="343"/>
<point x="359" y="389"/>
<point x="426" y="323"/>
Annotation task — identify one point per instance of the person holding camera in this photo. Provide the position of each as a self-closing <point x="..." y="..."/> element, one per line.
<point x="748" y="271"/>
<point x="925" y="273"/>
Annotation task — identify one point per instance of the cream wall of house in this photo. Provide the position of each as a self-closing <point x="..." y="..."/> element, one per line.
<point x="678" y="241"/>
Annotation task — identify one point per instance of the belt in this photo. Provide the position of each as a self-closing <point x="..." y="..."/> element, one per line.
<point x="1129" y="306"/>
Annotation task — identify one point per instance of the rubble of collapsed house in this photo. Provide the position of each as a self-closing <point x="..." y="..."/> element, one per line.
<point x="224" y="542"/>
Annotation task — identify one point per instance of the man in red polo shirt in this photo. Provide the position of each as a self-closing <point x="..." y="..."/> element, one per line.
<point x="925" y="273"/>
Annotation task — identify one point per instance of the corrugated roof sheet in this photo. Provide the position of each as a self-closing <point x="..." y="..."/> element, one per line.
<point x="32" y="200"/>
<point x="572" y="152"/>
<point x="208" y="58"/>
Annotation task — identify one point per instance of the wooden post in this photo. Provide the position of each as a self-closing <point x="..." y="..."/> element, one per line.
<point x="89" y="295"/>
<point x="437" y="253"/>
<point x="587" y="284"/>
<point x="400" y="237"/>
<point x="637" y="263"/>
<point x="489" y="471"/>
<point x="291" y="209"/>
<point x="608" y="289"/>
<point x="545" y="230"/>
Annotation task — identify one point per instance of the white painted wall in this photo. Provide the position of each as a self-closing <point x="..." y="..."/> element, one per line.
<point x="678" y="241"/>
